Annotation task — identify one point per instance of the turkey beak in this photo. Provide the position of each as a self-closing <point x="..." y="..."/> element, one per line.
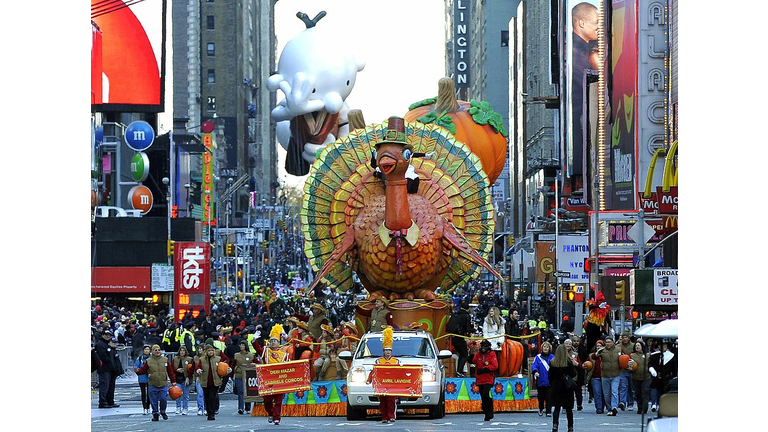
<point x="387" y="164"/>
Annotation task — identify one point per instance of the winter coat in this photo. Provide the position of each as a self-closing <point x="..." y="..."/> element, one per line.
<point x="541" y="365"/>
<point x="105" y="355"/>
<point x="490" y="330"/>
<point x="559" y="394"/>
<point x="140" y="360"/>
<point x="480" y="360"/>
<point x="610" y="362"/>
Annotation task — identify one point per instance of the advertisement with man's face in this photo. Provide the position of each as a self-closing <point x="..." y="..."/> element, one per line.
<point x="581" y="43"/>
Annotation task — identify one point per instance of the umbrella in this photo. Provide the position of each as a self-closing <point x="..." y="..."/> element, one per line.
<point x="665" y="329"/>
<point x="643" y="328"/>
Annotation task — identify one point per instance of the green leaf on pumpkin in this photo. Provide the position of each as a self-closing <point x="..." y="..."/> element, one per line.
<point x="442" y="120"/>
<point x="429" y="101"/>
<point x="482" y="113"/>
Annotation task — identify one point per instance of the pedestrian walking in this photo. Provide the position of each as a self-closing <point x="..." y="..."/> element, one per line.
<point x="641" y="378"/>
<point x="594" y="377"/>
<point x="562" y="366"/>
<point x="387" y="405"/>
<point x="182" y="365"/>
<point x="610" y="370"/>
<point x="626" y="389"/>
<point x="540" y="368"/>
<point x="143" y="379"/>
<point x="207" y="370"/>
<point x="242" y="360"/>
<point x="486" y="364"/>
<point x="159" y="370"/>
<point x="573" y="354"/>
<point x="199" y="394"/>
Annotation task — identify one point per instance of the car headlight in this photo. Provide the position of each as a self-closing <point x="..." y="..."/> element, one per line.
<point x="428" y="374"/>
<point x="357" y="375"/>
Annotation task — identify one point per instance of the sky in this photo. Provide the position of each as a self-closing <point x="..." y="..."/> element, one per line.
<point x="401" y="41"/>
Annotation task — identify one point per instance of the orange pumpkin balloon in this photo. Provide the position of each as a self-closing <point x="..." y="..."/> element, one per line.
<point x="473" y="123"/>
<point x="624" y="361"/>
<point x="511" y="358"/>
<point x="221" y="369"/>
<point x="174" y="392"/>
<point x="588" y="365"/>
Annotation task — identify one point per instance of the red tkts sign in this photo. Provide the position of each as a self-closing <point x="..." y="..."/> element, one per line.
<point x="192" y="278"/>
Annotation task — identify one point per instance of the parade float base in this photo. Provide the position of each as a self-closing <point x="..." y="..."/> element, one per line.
<point x="329" y="399"/>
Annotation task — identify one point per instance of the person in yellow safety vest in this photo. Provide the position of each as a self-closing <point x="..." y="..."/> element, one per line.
<point x="166" y="339"/>
<point x="250" y="338"/>
<point x="187" y="337"/>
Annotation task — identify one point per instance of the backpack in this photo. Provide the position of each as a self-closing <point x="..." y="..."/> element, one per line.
<point x="452" y="326"/>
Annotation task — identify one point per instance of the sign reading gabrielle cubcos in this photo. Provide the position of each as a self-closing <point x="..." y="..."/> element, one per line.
<point x="397" y="380"/>
<point x="277" y="378"/>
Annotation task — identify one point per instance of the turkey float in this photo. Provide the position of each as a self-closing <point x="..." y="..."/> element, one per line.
<point x="405" y="206"/>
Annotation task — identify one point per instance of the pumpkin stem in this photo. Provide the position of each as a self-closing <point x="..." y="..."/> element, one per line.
<point x="446" y="96"/>
<point x="356" y="120"/>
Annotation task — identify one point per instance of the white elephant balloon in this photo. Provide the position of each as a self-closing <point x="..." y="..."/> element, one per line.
<point x="316" y="75"/>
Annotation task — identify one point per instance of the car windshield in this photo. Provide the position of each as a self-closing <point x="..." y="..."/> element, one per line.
<point x="402" y="346"/>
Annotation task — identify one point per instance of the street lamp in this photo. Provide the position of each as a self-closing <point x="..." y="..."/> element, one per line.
<point x="229" y="211"/>
<point x="167" y="182"/>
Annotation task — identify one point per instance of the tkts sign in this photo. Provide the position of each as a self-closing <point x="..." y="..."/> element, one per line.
<point x="192" y="270"/>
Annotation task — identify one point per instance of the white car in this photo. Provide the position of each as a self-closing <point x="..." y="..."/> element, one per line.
<point x="411" y="347"/>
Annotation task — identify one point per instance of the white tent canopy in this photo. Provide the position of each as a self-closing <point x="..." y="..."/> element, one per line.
<point x="664" y="329"/>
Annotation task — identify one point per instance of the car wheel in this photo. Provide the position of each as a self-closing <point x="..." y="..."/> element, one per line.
<point x="438" y="411"/>
<point x="355" y="413"/>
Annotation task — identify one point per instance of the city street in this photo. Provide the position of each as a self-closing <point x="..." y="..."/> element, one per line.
<point x="128" y="417"/>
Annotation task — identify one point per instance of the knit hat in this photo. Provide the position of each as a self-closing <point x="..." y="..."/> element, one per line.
<point x="276" y="331"/>
<point x="387" y="342"/>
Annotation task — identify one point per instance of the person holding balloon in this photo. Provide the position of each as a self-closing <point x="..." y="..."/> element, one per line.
<point x="210" y="369"/>
<point x="160" y="371"/>
<point x="182" y="365"/>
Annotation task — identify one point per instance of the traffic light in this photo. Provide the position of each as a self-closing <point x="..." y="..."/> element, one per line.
<point x="230" y="249"/>
<point x="170" y="247"/>
<point x="619" y="294"/>
<point x="264" y="244"/>
<point x="587" y="265"/>
<point x="174" y="212"/>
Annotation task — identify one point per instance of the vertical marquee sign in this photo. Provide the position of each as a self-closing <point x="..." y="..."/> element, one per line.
<point x="461" y="59"/>
<point x="208" y="199"/>
<point x="192" y="267"/>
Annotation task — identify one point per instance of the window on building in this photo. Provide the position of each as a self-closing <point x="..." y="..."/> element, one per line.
<point x="505" y="38"/>
<point x="209" y="22"/>
<point x="211" y="76"/>
<point x="211" y="49"/>
<point x="211" y="103"/>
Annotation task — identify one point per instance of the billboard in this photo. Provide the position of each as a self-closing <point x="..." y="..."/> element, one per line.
<point x="128" y="56"/>
<point x="124" y="280"/>
<point x="621" y="188"/>
<point x="581" y="58"/>
<point x="192" y="278"/>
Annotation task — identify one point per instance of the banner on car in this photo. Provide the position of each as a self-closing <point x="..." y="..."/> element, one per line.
<point x="396" y="380"/>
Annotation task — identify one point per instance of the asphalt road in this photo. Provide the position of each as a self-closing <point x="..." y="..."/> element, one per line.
<point x="128" y="417"/>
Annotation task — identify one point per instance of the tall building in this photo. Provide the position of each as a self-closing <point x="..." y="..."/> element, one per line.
<point x="223" y="53"/>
